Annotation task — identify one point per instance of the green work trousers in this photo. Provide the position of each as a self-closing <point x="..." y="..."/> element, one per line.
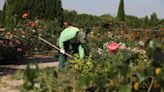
<point x="62" y="61"/>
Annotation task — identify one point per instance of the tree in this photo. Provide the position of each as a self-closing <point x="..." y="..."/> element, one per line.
<point x="70" y="15"/>
<point x="154" y="20"/>
<point x="121" y="13"/>
<point x="145" y="22"/>
<point x="38" y="10"/>
<point x="59" y="12"/>
<point x="1" y="17"/>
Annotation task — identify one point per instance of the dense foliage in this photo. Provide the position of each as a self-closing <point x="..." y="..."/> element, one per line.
<point x="27" y="31"/>
<point x="80" y="20"/>
<point x="25" y="20"/>
<point x="37" y="9"/>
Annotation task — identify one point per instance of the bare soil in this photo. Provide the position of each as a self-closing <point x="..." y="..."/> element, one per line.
<point x="9" y="84"/>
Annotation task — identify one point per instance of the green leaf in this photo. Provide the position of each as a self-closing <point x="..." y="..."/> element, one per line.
<point x="124" y="88"/>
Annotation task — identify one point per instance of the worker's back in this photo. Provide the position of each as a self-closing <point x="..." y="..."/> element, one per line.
<point x="67" y="34"/>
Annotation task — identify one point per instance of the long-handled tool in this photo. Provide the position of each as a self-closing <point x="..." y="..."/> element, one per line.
<point x="54" y="46"/>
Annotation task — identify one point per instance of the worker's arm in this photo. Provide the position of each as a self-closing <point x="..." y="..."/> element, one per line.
<point x="83" y="42"/>
<point x="61" y="41"/>
<point x="81" y="52"/>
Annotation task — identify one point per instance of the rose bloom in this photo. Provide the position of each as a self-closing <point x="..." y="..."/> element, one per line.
<point x="1" y="41"/>
<point x="25" y="15"/>
<point x="18" y="42"/>
<point x="33" y="24"/>
<point x="113" y="47"/>
<point x="34" y="31"/>
<point x="19" y="50"/>
<point x="23" y="33"/>
<point x="11" y="44"/>
<point x="8" y="33"/>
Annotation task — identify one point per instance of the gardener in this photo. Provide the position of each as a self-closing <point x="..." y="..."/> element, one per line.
<point x="72" y="41"/>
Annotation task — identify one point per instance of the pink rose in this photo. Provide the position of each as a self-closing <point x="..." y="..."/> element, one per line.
<point x="113" y="47"/>
<point x="32" y="24"/>
<point x="34" y="31"/>
<point x="1" y="41"/>
<point x="11" y="44"/>
<point x="25" y="15"/>
<point x="19" y="50"/>
<point x="18" y="42"/>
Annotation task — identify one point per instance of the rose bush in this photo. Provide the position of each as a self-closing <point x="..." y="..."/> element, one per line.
<point x="11" y="49"/>
<point x="27" y="32"/>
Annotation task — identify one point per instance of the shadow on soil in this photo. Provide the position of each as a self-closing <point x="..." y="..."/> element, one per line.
<point x="33" y="59"/>
<point x="5" y="65"/>
<point x="5" y="71"/>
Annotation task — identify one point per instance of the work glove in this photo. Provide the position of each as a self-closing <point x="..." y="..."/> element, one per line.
<point x="62" y="51"/>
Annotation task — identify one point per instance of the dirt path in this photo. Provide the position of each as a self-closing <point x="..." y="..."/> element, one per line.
<point x="9" y="84"/>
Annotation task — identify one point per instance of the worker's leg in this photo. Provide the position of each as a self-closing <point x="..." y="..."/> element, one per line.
<point x="62" y="61"/>
<point x="63" y="58"/>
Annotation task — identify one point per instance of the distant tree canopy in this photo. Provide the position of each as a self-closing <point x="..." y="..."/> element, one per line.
<point x="40" y="9"/>
<point x="121" y="12"/>
<point x="132" y="21"/>
<point x="81" y="20"/>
